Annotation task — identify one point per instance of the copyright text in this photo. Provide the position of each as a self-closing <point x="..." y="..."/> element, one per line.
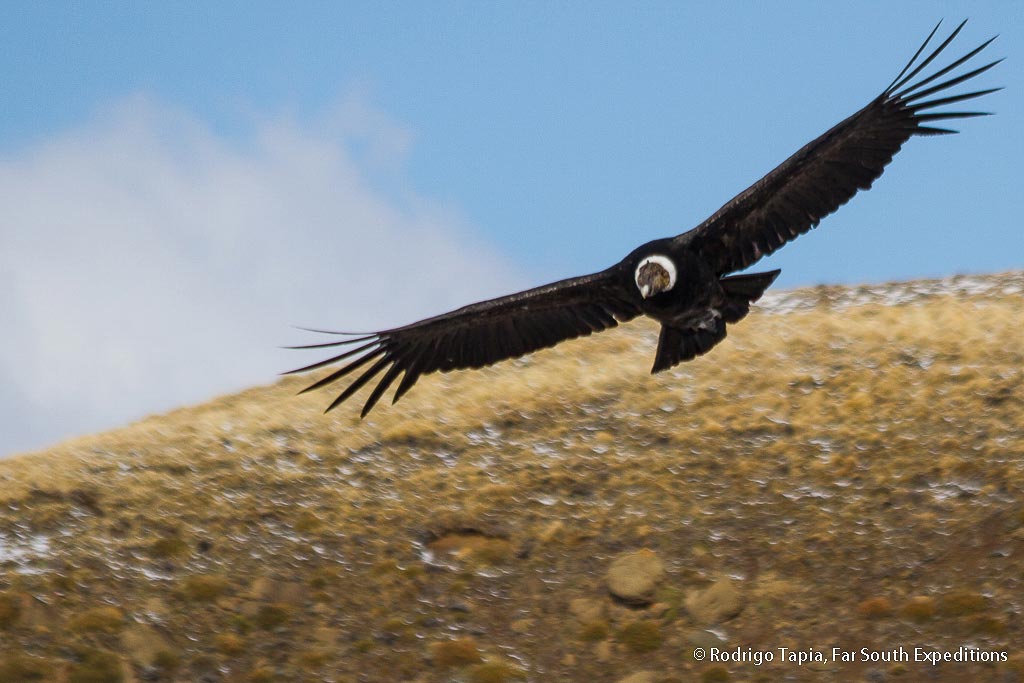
<point x="802" y="656"/>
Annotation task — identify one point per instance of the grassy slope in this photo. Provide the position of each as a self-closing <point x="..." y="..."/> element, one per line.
<point x="856" y="470"/>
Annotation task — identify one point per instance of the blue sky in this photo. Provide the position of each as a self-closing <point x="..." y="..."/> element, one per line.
<point x="179" y="182"/>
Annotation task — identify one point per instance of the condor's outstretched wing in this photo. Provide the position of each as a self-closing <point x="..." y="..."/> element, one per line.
<point x="826" y="173"/>
<point x="480" y="334"/>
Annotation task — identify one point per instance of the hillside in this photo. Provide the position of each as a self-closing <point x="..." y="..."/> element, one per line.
<point x="846" y="470"/>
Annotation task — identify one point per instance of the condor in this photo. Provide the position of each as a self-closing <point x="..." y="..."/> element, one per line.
<point x="683" y="282"/>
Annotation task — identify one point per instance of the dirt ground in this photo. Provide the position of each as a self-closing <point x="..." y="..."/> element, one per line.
<point x="834" y="493"/>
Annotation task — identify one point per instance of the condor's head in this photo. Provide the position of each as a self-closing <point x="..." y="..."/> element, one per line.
<point x="654" y="275"/>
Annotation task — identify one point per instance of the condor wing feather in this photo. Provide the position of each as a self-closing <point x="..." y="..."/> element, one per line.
<point x="479" y="334"/>
<point x="825" y="174"/>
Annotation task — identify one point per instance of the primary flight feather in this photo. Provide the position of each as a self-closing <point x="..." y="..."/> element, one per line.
<point x="683" y="282"/>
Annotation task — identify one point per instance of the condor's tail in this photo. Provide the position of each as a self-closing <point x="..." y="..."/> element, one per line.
<point x="676" y="344"/>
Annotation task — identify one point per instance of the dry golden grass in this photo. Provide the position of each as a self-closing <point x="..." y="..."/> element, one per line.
<point x="857" y="470"/>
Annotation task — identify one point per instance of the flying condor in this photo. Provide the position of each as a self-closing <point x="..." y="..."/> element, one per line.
<point x="683" y="282"/>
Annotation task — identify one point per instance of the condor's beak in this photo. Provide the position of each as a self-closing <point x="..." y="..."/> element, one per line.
<point x="645" y="291"/>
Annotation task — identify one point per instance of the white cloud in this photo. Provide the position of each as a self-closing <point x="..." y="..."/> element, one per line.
<point x="147" y="262"/>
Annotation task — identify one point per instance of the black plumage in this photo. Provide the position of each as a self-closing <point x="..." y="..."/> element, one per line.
<point x="683" y="281"/>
